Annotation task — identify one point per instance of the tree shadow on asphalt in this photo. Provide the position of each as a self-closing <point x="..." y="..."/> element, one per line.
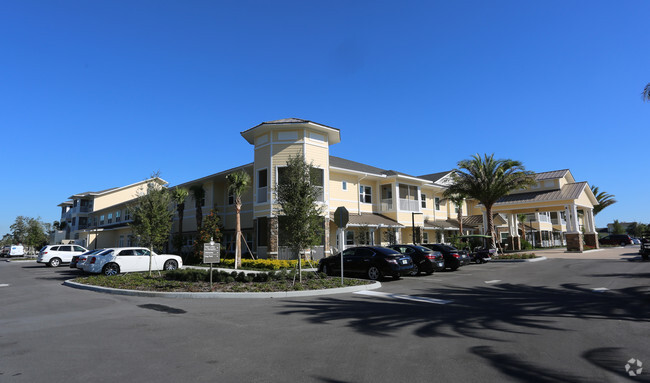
<point x="504" y="308"/>
<point x="609" y="359"/>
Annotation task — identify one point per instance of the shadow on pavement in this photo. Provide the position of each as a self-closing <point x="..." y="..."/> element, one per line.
<point x="504" y="308"/>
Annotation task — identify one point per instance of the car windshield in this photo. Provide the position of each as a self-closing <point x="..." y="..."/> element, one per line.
<point x="386" y="251"/>
<point x="423" y="249"/>
<point x="106" y="252"/>
<point x="447" y="247"/>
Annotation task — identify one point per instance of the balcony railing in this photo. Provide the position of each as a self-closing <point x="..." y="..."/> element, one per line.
<point x="262" y="194"/>
<point x="556" y="221"/>
<point x="409" y="204"/>
<point x="387" y="204"/>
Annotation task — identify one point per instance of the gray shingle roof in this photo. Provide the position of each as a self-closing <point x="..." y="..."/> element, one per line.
<point x="342" y="163"/>
<point x="568" y="192"/>
<point x="434" y="177"/>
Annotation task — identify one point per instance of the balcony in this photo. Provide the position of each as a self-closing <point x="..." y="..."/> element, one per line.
<point x="262" y="194"/>
<point x="387" y="204"/>
<point x="409" y="204"/>
<point x="556" y="221"/>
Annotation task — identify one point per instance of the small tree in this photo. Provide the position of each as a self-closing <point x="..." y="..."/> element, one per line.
<point x="238" y="183"/>
<point x="617" y="228"/>
<point x="20" y="228"/>
<point x="36" y="234"/>
<point x="152" y="216"/>
<point x="211" y="229"/>
<point x="297" y="194"/>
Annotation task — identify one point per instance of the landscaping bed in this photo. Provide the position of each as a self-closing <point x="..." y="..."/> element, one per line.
<point x="192" y="280"/>
<point x="507" y="257"/>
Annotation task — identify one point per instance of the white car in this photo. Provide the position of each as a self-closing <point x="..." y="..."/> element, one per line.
<point x="115" y="260"/>
<point x="54" y="255"/>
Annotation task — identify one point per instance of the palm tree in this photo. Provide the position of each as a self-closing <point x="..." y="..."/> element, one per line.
<point x="486" y="180"/>
<point x="198" y="193"/>
<point x="179" y="195"/>
<point x="238" y="183"/>
<point x="646" y="93"/>
<point x="457" y="200"/>
<point x="522" y="219"/>
<point x="603" y="198"/>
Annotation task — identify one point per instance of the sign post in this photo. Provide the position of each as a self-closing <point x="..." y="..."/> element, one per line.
<point x="341" y="218"/>
<point x="211" y="254"/>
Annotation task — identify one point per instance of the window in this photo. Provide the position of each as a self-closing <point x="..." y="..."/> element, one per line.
<point x="110" y="218"/>
<point x="121" y="243"/>
<point x="127" y="215"/>
<point x="65" y="248"/>
<point x="231" y="198"/>
<point x="101" y="219"/>
<point x="424" y="200"/>
<point x="74" y="220"/>
<point x="349" y="237"/>
<point x="344" y="185"/>
<point x="365" y="194"/>
<point x="317" y="178"/>
<point x="425" y="237"/>
<point x="262" y="184"/>
<point x="117" y="217"/>
<point x="436" y="202"/>
<point x="287" y="136"/>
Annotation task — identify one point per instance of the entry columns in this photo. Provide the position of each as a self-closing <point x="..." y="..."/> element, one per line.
<point x="573" y="236"/>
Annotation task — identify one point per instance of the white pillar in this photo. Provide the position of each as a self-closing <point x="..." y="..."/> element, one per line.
<point x="590" y="225"/>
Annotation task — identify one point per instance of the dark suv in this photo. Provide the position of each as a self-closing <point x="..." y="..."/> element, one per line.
<point x="616" y="239"/>
<point x="644" y="249"/>
<point x="424" y="259"/>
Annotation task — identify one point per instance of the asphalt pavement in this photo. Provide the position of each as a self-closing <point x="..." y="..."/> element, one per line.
<point x="559" y="320"/>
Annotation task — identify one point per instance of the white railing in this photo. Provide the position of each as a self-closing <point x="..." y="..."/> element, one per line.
<point x="409" y="205"/>
<point x="262" y="194"/>
<point x="387" y="204"/>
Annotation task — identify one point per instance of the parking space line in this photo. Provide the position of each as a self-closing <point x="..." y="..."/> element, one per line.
<point x="4" y="285"/>
<point x="600" y="289"/>
<point x="493" y="281"/>
<point x="404" y="297"/>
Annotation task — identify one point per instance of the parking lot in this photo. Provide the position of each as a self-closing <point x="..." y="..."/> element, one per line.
<point x="559" y="320"/>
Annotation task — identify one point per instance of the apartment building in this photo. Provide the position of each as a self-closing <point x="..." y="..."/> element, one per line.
<point x="385" y="206"/>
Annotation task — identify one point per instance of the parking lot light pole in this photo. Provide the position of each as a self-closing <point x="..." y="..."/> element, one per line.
<point x="413" y="226"/>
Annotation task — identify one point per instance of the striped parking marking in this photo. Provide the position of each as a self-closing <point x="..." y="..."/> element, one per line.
<point x="4" y="285"/>
<point x="404" y="297"/>
<point x="493" y="281"/>
<point x="600" y="289"/>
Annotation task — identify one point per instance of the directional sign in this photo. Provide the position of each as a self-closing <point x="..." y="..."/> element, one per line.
<point x="341" y="216"/>
<point x="211" y="253"/>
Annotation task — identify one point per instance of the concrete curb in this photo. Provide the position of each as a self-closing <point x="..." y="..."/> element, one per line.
<point x="240" y="270"/>
<point x="278" y="294"/>
<point x="521" y="260"/>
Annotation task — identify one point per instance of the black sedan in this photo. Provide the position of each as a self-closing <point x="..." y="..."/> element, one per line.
<point x="454" y="258"/>
<point x="424" y="259"/>
<point x="374" y="262"/>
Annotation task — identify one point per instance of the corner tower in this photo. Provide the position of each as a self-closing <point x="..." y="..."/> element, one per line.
<point x="275" y="142"/>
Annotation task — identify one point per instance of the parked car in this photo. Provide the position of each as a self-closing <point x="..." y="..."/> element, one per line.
<point x="644" y="249"/>
<point x="374" y="262"/>
<point x="115" y="260"/>
<point x="454" y="258"/>
<point x="478" y="247"/>
<point x="13" y="250"/>
<point x="616" y="239"/>
<point x="78" y="261"/>
<point x="636" y="241"/>
<point x="424" y="259"/>
<point x="54" y="255"/>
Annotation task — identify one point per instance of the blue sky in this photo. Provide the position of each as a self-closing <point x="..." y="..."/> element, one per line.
<point x="99" y="94"/>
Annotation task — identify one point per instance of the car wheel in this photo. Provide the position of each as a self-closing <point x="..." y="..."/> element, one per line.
<point x="326" y="270"/>
<point x="623" y="244"/>
<point x="111" y="269"/>
<point x="415" y="271"/>
<point x="171" y="265"/>
<point x="373" y="273"/>
<point x="429" y="272"/>
<point x="54" y="262"/>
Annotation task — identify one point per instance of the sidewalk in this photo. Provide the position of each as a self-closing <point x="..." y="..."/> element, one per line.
<point x="627" y="252"/>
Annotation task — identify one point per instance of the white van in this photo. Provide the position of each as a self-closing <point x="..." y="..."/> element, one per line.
<point x="13" y="250"/>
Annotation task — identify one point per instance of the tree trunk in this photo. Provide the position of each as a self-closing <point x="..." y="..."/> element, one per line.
<point x="490" y="222"/>
<point x="199" y="217"/>
<point x="238" y="235"/>
<point x="460" y="221"/>
<point x="181" y="209"/>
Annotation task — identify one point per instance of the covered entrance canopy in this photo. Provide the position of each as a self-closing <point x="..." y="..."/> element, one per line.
<point x="566" y="198"/>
